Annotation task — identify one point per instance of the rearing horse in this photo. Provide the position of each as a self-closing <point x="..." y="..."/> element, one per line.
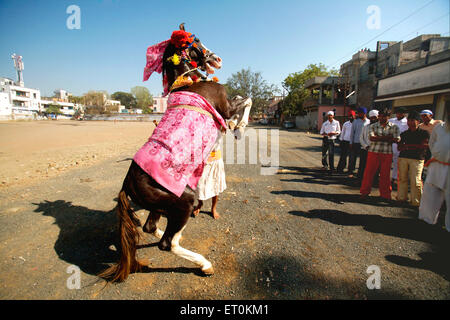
<point x="163" y="174"/>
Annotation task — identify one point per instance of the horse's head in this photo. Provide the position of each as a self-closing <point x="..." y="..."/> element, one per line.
<point x="184" y="56"/>
<point x="207" y="59"/>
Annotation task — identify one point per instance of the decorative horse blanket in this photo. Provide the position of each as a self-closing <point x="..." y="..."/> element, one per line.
<point x="176" y="152"/>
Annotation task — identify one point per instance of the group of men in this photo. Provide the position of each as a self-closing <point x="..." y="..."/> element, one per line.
<point x="403" y="145"/>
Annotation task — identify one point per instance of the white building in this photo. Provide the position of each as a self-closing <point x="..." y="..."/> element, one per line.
<point x="62" y="95"/>
<point x="67" y="109"/>
<point x="115" y="103"/>
<point x="18" y="101"/>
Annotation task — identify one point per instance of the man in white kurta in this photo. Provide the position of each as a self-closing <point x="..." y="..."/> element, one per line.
<point x="402" y="123"/>
<point x="437" y="183"/>
<point x="330" y="130"/>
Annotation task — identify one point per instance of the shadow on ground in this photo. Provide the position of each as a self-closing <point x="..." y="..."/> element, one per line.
<point x="318" y="176"/>
<point x="286" y="278"/>
<point x="341" y="198"/>
<point x="86" y="237"/>
<point x="436" y="260"/>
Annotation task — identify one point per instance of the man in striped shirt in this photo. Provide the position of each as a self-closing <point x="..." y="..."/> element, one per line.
<point x="382" y="135"/>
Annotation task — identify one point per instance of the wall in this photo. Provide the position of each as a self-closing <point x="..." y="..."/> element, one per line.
<point x="5" y="106"/>
<point x="434" y="75"/>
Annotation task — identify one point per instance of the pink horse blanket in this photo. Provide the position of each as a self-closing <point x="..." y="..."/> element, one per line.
<point x="176" y="152"/>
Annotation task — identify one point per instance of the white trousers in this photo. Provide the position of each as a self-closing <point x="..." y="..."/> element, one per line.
<point x="431" y="202"/>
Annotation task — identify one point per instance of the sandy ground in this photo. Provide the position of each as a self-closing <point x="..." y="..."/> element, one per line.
<point x="298" y="234"/>
<point x="34" y="150"/>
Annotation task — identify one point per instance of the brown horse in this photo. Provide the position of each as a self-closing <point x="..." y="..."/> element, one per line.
<point x="145" y="191"/>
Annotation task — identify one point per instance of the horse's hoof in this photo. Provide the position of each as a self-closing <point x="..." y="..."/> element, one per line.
<point x="208" y="272"/>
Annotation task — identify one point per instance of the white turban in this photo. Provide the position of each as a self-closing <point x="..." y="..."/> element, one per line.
<point x="373" y="113"/>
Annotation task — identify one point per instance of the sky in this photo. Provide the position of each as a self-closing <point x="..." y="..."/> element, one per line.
<point x="276" y="38"/>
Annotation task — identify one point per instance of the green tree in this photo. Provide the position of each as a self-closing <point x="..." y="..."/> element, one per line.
<point x="76" y="99"/>
<point x="125" y="98"/>
<point x="95" y="98"/>
<point x="295" y="85"/>
<point x="247" y="83"/>
<point x="143" y="97"/>
<point x="54" y="109"/>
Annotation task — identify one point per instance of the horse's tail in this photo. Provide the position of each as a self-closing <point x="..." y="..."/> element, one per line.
<point x="129" y="238"/>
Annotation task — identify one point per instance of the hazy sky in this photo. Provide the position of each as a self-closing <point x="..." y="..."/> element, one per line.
<point x="275" y="37"/>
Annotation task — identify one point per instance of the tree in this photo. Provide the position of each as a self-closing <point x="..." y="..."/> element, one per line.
<point x="125" y="98"/>
<point x="95" y="101"/>
<point x="295" y="85"/>
<point x="247" y="83"/>
<point x="54" y="109"/>
<point x="142" y="96"/>
<point x="76" y="100"/>
<point x="94" y="98"/>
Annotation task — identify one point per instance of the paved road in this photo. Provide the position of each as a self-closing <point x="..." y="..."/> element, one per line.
<point x="297" y="234"/>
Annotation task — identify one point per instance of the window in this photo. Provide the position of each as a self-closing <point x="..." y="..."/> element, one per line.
<point x="384" y="46"/>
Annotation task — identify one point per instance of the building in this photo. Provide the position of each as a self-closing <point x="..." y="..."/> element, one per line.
<point x="67" y="109"/>
<point x="417" y="77"/>
<point x="326" y="94"/>
<point x="398" y="73"/>
<point x="273" y="113"/>
<point x="413" y="74"/>
<point x="62" y="95"/>
<point x="18" y="101"/>
<point x="114" y="106"/>
<point x="358" y="79"/>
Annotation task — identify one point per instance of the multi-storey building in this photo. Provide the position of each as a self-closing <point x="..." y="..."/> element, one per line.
<point x="413" y="75"/>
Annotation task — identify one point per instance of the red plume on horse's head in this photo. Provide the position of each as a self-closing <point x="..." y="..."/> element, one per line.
<point x="181" y="39"/>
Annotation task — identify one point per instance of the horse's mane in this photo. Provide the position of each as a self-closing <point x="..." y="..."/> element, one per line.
<point x="169" y="70"/>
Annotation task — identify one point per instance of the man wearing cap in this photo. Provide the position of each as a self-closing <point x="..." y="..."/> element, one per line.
<point x="365" y="142"/>
<point x="428" y="124"/>
<point x="381" y="135"/>
<point x="345" y="141"/>
<point x="401" y="122"/>
<point x="355" y="144"/>
<point x="437" y="184"/>
<point x="330" y="130"/>
<point x="412" y="146"/>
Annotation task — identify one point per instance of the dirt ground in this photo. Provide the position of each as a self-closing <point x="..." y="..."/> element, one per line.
<point x="31" y="150"/>
<point x="298" y="234"/>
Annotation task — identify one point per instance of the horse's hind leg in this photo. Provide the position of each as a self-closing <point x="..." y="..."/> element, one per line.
<point x="150" y="225"/>
<point x="171" y="241"/>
